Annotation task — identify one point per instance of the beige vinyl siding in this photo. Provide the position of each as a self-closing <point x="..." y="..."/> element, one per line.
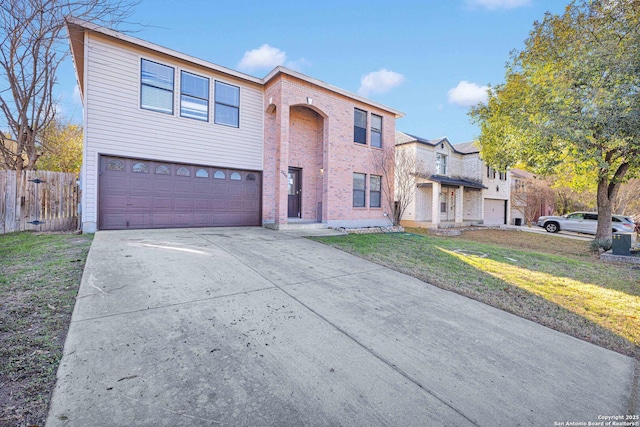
<point x="116" y="124"/>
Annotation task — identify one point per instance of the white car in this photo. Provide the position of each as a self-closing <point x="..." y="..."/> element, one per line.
<point x="584" y="222"/>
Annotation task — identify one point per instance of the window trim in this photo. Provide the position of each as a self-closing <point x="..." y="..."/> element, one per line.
<point x="355" y="140"/>
<point x="182" y="73"/>
<point x="372" y="191"/>
<point x="216" y="103"/>
<point x="362" y="191"/>
<point x="376" y="131"/>
<point x="172" y="90"/>
<point x="440" y="157"/>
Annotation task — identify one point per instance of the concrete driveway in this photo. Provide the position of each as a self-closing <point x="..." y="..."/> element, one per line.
<point x="253" y="327"/>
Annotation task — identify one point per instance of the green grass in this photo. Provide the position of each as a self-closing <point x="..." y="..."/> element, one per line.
<point x="39" y="278"/>
<point x="554" y="281"/>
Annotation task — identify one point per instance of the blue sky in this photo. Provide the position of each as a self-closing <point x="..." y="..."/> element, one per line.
<point x="429" y="59"/>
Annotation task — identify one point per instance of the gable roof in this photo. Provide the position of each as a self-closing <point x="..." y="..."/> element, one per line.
<point x="464" y="148"/>
<point x="77" y="26"/>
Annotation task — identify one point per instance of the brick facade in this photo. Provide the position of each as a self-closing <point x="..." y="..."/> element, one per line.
<point x="311" y="127"/>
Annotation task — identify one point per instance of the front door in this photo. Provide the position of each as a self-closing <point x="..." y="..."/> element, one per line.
<point x="295" y="190"/>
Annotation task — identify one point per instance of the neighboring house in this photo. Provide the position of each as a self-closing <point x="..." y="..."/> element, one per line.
<point x="453" y="185"/>
<point x="175" y="141"/>
<point x="531" y="197"/>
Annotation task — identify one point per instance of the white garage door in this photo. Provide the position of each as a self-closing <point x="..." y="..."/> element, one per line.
<point x="495" y="211"/>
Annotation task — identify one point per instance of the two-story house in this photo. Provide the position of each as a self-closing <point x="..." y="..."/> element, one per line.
<point x="171" y="140"/>
<point x="453" y="186"/>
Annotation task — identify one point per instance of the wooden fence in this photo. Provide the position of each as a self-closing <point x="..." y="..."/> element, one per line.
<point x="38" y="200"/>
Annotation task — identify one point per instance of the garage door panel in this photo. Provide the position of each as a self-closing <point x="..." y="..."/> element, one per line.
<point x="184" y="186"/>
<point x="148" y="194"/>
<point x="182" y="219"/>
<point x="182" y="203"/>
<point x="114" y="221"/>
<point x="163" y="185"/>
<point x="139" y="220"/>
<point x="140" y="184"/>
<point x="161" y="220"/>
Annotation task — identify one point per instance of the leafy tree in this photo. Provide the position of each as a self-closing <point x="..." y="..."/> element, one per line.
<point x="62" y="148"/>
<point x="32" y="46"/>
<point x="571" y="97"/>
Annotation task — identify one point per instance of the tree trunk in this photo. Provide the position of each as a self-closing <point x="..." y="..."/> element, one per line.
<point x="604" y="210"/>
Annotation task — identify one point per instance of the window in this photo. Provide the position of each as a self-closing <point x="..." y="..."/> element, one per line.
<point x="251" y="177"/>
<point x="375" y="185"/>
<point x="359" y="189"/>
<point x="441" y="164"/>
<point x="219" y="175"/>
<point x="202" y="173"/>
<point x="376" y="131"/>
<point x="156" y="87"/>
<point x="182" y="171"/>
<point x="491" y="173"/>
<point x="163" y="170"/>
<point x="115" y="165"/>
<point x="194" y="96"/>
<point x="227" y="109"/>
<point x="140" y="168"/>
<point x="360" y="126"/>
<point x="503" y="176"/>
<point x="235" y="176"/>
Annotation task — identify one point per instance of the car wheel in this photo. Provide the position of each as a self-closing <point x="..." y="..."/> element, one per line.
<point x="552" y="227"/>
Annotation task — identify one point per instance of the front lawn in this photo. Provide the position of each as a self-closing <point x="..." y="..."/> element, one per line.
<point x="39" y="278"/>
<point x="551" y="280"/>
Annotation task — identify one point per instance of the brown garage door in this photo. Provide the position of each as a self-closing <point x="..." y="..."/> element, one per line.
<point x="150" y="194"/>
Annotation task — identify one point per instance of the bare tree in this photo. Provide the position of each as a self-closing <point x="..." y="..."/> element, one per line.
<point x="529" y="196"/>
<point x="400" y="176"/>
<point x="627" y="201"/>
<point x="32" y="46"/>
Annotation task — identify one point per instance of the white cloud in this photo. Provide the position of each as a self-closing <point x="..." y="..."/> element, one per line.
<point x="263" y="57"/>
<point x="298" y="64"/>
<point x="499" y="4"/>
<point x="381" y="81"/>
<point x="467" y="94"/>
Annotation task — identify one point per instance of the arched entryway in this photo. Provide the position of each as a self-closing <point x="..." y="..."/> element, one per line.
<point x="306" y="168"/>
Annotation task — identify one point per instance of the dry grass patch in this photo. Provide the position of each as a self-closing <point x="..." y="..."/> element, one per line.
<point x="39" y="278"/>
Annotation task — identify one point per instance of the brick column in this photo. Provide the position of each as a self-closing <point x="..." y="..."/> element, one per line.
<point x="282" y="165"/>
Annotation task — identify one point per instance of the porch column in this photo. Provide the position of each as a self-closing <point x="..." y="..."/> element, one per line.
<point x="459" y="217"/>
<point x="435" y="204"/>
<point x="282" y="165"/>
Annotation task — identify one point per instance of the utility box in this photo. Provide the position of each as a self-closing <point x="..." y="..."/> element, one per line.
<point x="621" y="244"/>
<point x="518" y="221"/>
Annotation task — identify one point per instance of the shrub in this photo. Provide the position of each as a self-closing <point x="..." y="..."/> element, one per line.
<point x="598" y="245"/>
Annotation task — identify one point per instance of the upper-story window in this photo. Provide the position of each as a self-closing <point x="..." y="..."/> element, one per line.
<point x="441" y="164"/>
<point x="491" y="172"/>
<point x="194" y="96"/>
<point x="503" y="176"/>
<point x="227" y="109"/>
<point x="360" y="126"/>
<point x="376" y="131"/>
<point x="156" y="87"/>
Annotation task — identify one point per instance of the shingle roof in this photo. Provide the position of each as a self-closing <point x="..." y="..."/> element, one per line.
<point x="467" y="147"/>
